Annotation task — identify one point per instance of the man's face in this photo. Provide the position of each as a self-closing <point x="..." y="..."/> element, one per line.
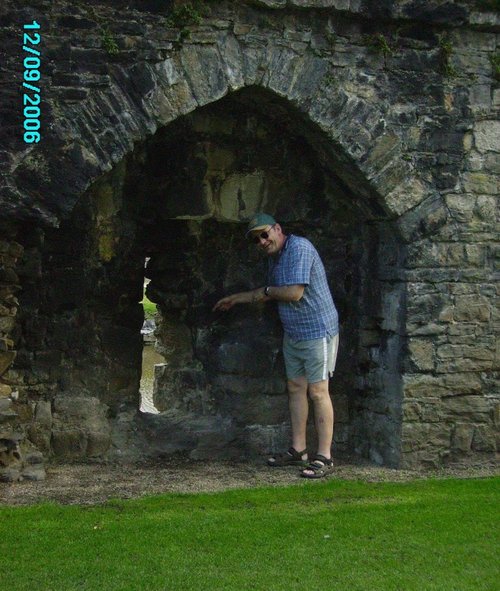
<point x="270" y="239"/>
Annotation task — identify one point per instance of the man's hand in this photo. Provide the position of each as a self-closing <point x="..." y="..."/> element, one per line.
<point x="244" y="297"/>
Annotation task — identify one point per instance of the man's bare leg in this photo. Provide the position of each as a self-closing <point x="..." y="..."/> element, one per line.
<point x="323" y="416"/>
<point x="299" y="409"/>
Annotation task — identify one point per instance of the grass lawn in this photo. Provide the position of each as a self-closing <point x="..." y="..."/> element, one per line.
<point x="334" y="535"/>
<point x="149" y="307"/>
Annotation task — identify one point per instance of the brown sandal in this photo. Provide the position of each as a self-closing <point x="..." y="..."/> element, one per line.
<point x="319" y="467"/>
<point x="292" y="457"/>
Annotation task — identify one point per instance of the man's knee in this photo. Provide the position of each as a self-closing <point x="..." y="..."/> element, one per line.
<point x="319" y="390"/>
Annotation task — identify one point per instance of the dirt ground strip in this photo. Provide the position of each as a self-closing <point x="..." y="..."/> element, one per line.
<point x="95" y="483"/>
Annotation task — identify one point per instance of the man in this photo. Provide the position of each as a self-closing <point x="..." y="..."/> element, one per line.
<point x="297" y="281"/>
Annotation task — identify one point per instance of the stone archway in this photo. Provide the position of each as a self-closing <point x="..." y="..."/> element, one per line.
<point x="181" y="199"/>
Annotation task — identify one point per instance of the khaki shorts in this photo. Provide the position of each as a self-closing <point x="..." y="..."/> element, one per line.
<point x="314" y="359"/>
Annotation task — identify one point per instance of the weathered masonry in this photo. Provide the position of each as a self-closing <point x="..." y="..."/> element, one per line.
<point x="369" y="126"/>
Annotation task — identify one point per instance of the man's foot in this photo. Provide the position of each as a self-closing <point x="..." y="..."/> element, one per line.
<point x="292" y="457"/>
<point x="318" y="468"/>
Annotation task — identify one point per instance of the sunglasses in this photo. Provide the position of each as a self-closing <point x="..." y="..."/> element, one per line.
<point x="262" y="236"/>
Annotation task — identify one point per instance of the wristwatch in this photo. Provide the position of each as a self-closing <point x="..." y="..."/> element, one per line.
<point x="266" y="290"/>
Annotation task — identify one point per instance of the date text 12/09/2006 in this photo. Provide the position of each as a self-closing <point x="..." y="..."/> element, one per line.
<point x="31" y="77"/>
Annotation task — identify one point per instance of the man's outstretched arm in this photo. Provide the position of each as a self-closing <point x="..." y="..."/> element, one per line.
<point x="285" y="293"/>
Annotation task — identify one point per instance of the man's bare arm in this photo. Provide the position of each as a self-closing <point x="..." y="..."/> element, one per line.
<point x="285" y="293"/>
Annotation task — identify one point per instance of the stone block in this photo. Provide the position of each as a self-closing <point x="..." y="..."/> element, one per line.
<point x="232" y="60"/>
<point x="39" y="432"/>
<point x="406" y="196"/>
<point x="471" y="408"/>
<point x="424" y="436"/>
<point x="486" y="207"/>
<point x="419" y="385"/>
<point x="384" y="149"/>
<point x="446" y="314"/>
<point x="451" y="365"/>
<point x="484" y="439"/>
<point x="34" y="473"/>
<point x="431" y="329"/>
<point x="6" y="344"/>
<point x="491" y="163"/>
<point x="98" y="443"/>
<point x="241" y="195"/>
<point x="5" y="390"/>
<point x="461" y="206"/>
<point x="424" y="308"/>
<point x="496" y="97"/>
<point x="43" y="413"/>
<point x="79" y="425"/>
<point x="431" y="409"/>
<point x="69" y="443"/>
<point x="412" y="412"/>
<point x="421" y="353"/>
<point x="5" y="404"/>
<point x="78" y="408"/>
<point x="33" y="458"/>
<point x="496" y="415"/>
<point x="178" y="387"/>
<point x="481" y="183"/>
<point x="207" y="80"/>
<point x="10" y="475"/>
<point x="7" y="323"/>
<point x="461" y="439"/>
<point x="473" y="308"/>
<point x="457" y="352"/>
<point x="487" y="136"/>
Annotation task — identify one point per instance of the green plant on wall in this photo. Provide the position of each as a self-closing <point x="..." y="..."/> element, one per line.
<point x="446" y="51"/>
<point x="184" y="16"/>
<point x="380" y="44"/>
<point x="108" y="41"/>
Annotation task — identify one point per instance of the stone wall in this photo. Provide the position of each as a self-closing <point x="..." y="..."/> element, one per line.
<point x="19" y="458"/>
<point x="398" y="104"/>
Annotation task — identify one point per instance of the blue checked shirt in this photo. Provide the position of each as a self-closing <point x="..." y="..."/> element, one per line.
<point x="314" y="316"/>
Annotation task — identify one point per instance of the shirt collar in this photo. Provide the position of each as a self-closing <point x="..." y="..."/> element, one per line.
<point x="285" y="245"/>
